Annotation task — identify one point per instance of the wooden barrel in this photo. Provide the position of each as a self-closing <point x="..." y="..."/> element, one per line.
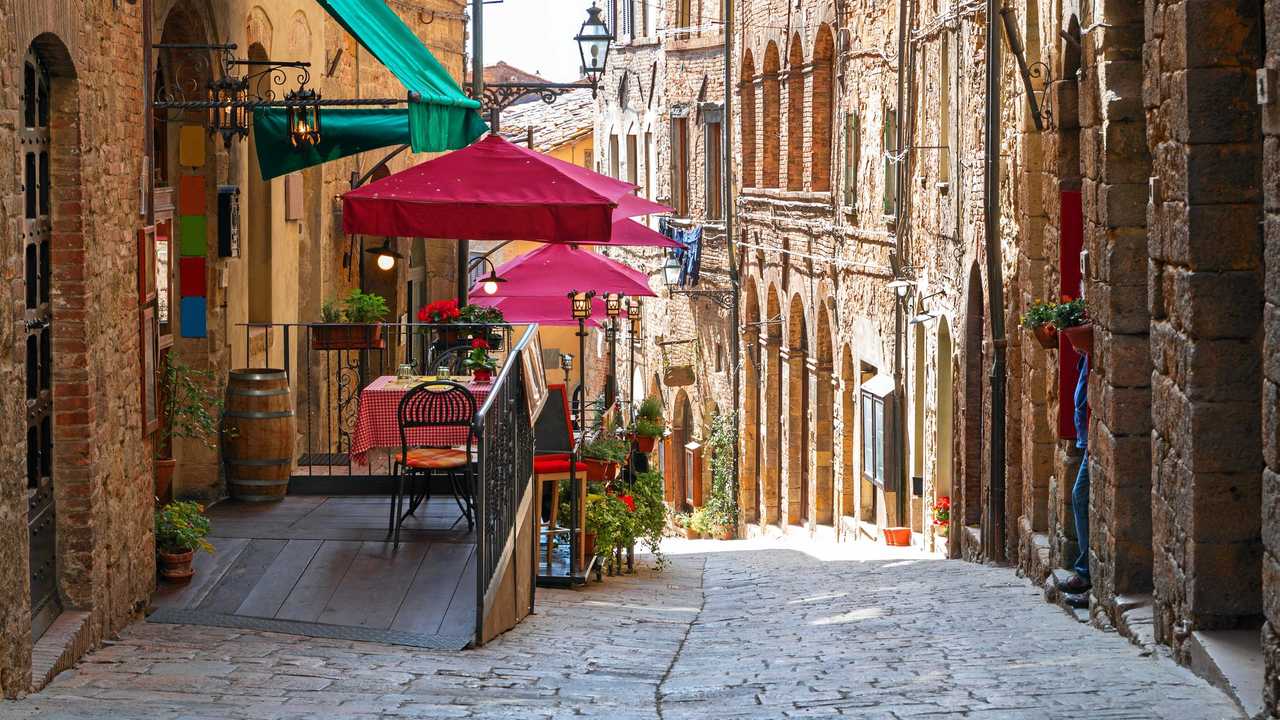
<point x="257" y="443"/>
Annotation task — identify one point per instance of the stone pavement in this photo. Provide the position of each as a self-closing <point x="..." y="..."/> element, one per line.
<point x="749" y="629"/>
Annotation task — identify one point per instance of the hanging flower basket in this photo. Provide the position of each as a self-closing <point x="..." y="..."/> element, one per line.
<point x="645" y="443"/>
<point x="599" y="470"/>
<point x="346" y="337"/>
<point x="1047" y="335"/>
<point x="1081" y="338"/>
<point x="678" y="359"/>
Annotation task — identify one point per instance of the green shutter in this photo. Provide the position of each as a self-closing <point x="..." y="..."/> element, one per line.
<point x="890" y="168"/>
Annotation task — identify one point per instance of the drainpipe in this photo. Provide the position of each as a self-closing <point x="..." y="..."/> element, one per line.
<point x="993" y="534"/>
<point x="735" y="319"/>
<point x="900" y="250"/>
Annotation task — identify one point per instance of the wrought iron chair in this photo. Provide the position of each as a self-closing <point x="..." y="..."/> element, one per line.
<point x="436" y="405"/>
<point x="453" y="358"/>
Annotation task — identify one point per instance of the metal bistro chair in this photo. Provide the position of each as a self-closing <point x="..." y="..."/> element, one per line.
<point x="452" y="358"/>
<point x="434" y="405"/>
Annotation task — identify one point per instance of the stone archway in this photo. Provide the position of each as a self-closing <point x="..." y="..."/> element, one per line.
<point x="943" y="399"/>
<point x="823" y="392"/>
<point x="772" y="119"/>
<point x="751" y="488"/>
<point x="972" y="408"/>
<point x="771" y="421"/>
<point x="796" y="458"/>
<point x="795" y="114"/>
<point x="849" y="444"/>
<point x="919" y="376"/>
<point x="683" y="432"/>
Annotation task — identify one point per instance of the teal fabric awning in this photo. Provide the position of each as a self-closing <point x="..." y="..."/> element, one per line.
<point x="343" y="132"/>
<point x="442" y="117"/>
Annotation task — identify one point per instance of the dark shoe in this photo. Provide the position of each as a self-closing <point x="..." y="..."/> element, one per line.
<point x="1075" y="584"/>
<point x="1079" y="601"/>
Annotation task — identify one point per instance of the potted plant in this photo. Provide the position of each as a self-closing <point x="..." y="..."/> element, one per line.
<point x="479" y="361"/>
<point x="701" y="522"/>
<point x="486" y="316"/>
<point x="1039" y="320"/>
<point x="181" y="528"/>
<point x="649" y="425"/>
<point x="192" y="409"/>
<point x="602" y="455"/>
<point x="941" y="512"/>
<point x="352" y="324"/>
<point x="684" y="523"/>
<point x="443" y="312"/>
<point x="1071" y="317"/>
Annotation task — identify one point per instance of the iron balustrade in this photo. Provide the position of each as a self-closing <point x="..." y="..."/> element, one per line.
<point x="505" y="472"/>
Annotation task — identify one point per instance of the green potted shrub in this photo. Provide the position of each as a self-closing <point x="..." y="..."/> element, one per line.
<point x="181" y="528"/>
<point x="1039" y="320"/>
<point x="350" y="324"/>
<point x="487" y="316"/>
<point x="602" y="455"/>
<point x="1071" y="317"/>
<point x="649" y="425"/>
<point x="192" y="410"/>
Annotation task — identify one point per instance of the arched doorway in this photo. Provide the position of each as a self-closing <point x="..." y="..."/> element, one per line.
<point x="972" y="411"/>
<point x="942" y="400"/>
<point x="772" y="420"/>
<point x="795" y="114"/>
<point x="772" y="120"/>
<point x="682" y="432"/>
<point x="34" y="147"/>
<point x="797" y="467"/>
<point x="918" y="379"/>
<point x="823" y="394"/>
<point x="849" y="444"/>
<point x="752" y="487"/>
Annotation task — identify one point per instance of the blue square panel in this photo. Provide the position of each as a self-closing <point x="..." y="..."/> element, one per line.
<point x="193" y="317"/>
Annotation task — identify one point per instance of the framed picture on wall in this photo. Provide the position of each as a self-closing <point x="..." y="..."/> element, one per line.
<point x="146" y="264"/>
<point x="535" y="378"/>
<point x="149" y="350"/>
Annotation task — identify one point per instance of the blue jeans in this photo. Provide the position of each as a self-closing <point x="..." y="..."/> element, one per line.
<point x="1080" y="508"/>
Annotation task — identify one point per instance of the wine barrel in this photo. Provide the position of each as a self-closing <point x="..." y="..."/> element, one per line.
<point x="257" y="443"/>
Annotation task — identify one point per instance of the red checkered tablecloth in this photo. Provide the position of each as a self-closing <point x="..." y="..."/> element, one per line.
<point x="376" y="425"/>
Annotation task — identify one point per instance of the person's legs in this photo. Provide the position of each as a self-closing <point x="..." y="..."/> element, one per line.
<point x="1080" y="508"/>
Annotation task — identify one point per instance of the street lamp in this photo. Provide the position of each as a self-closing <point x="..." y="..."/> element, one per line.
<point x="580" y="305"/>
<point x="488" y="283"/>
<point x="593" y="46"/>
<point x="304" y="118"/>
<point x="671" y="271"/>
<point x="387" y="255"/>
<point x="900" y="287"/>
<point x="633" y="314"/>
<point x="612" y="308"/>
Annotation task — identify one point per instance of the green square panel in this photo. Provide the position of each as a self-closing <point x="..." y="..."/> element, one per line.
<point x="193" y="242"/>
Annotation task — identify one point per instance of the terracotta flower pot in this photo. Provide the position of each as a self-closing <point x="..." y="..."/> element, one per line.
<point x="691" y="534"/>
<point x="346" y="337"/>
<point x="729" y="534"/>
<point x="482" y="374"/>
<point x="897" y="536"/>
<point x="165" y="468"/>
<point x="599" y="470"/>
<point x="176" y="567"/>
<point x="1081" y="338"/>
<point x="645" y="444"/>
<point x="589" y="544"/>
<point x="1047" y="335"/>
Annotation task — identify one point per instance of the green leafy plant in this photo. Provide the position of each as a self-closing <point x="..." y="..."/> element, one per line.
<point x="480" y="315"/>
<point x="1070" y="313"/>
<point x="650" y="409"/>
<point x="330" y="312"/>
<point x="701" y="521"/>
<point x="611" y="520"/>
<point x="182" y="527"/>
<point x="361" y="307"/>
<point x="191" y="405"/>
<point x="644" y="427"/>
<point x="1040" y="313"/>
<point x="722" y="506"/>
<point x="650" y="514"/>
<point x="605" y="447"/>
<point x="479" y="357"/>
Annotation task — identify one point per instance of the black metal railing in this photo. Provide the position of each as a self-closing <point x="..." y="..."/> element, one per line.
<point x="505" y="471"/>
<point x="330" y="363"/>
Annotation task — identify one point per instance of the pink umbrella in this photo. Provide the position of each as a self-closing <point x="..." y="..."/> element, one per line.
<point x="553" y="271"/>
<point x="494" y="190"/>
<point x="629" y="233"/>
<point x="543" y="310"/>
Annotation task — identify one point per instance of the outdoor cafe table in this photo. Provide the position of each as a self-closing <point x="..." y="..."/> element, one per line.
<point x="377" y="427"/>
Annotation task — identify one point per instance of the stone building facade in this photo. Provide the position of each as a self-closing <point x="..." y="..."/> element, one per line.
<point x="661" y="124"/>
<point x="1133" y="171"/>
<point x="86" y="174"/>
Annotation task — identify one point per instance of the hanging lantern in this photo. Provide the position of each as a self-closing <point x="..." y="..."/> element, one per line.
<point x="633" y="309"/>
<point x="227" y="114"/>
<point x="581" y="303"/>
<point x="304" y="117"/>
<point x="593" y="45"/>
<point x="613" y="304"/>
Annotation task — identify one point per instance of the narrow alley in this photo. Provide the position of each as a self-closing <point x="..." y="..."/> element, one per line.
<point x="752" y="629"/>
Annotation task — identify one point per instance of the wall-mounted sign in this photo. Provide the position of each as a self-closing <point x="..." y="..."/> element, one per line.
<point x="228" y="221"/>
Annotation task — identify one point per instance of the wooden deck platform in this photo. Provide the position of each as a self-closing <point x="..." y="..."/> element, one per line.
<point x="321" y="566"/>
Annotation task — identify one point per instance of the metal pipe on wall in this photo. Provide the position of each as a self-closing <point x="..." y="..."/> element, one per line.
<point x="735" y="312"/>
<point x="993" y="532"/>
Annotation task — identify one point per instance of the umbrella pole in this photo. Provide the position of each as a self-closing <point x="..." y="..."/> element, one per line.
<point x="578" y="520"/>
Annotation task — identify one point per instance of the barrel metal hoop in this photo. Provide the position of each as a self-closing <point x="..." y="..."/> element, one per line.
<point x="248" y="392"/>
<point x="234" y="482"/>
<point x="258" y="374"/>
<point x="259" y="463"/>
<point x="259" y="415"/>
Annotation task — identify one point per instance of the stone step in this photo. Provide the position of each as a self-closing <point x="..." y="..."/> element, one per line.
<point x="1231" y="660"/>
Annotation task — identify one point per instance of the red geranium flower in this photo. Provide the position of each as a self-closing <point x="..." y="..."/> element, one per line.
<point x="480" y="343"/>
<point x="629" y="501"/>
<point x="423" y="313"/>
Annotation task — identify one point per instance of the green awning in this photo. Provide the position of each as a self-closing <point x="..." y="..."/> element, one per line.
<point x="442" y="118"/>
<point x="343" y="132"/>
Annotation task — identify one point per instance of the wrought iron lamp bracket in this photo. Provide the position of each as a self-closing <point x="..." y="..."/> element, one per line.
<point x="502" y="95"/>
<point x="722" y="298"/>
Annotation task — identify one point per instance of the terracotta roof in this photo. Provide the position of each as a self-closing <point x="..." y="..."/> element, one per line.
<point x="570" y="117"/>
<point x="502" y="72"/>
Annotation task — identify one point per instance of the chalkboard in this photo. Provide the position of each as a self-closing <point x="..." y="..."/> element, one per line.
<point x="553" y="431"/>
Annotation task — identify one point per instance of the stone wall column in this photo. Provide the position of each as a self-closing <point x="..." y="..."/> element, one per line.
<point x="821" y="436"/>
<point x="794" y="378"/>
<point x="1206" y="318"/>
<point x="771" y="429"/>
<point x="749" y="480"/>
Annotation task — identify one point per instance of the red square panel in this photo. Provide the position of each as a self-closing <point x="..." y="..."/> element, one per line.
<point x="191" y="281"/>
<point x="191" y="199"/>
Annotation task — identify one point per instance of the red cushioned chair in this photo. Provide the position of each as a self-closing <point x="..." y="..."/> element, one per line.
<point x="436" y="404"/>
<point x="553" y="452"/>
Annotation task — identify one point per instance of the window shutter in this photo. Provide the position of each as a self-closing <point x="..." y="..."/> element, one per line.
<point x="852" y="146"/>
<point x="890" y="168"/>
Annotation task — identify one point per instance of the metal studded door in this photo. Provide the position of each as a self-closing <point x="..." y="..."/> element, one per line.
<point x="33" y="145"/>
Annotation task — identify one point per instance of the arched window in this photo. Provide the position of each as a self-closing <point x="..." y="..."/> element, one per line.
<point x="795" y="115"/>
<point x="772" y="117"/>
<point x="748" y="95"/>
<point x="820" y="117"/>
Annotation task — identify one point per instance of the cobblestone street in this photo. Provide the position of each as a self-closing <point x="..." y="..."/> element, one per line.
<point x="751" y="629"/>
